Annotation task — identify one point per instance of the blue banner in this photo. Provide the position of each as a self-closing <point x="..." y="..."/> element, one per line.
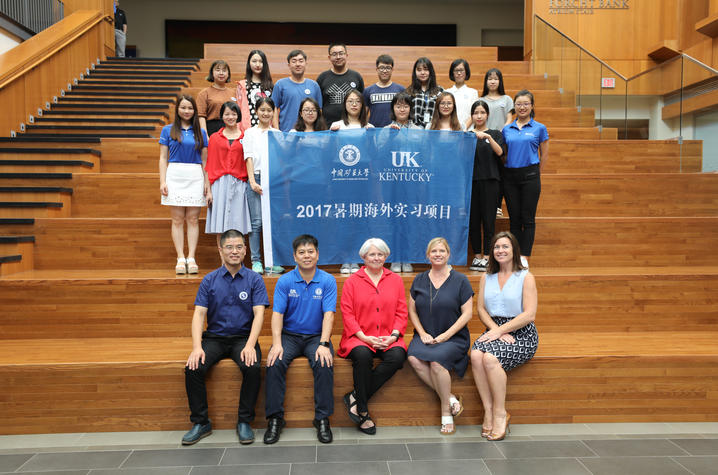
<point x="403" y="186"/>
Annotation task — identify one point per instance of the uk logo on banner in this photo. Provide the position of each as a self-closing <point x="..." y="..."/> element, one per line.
<point x="404" y="186"/>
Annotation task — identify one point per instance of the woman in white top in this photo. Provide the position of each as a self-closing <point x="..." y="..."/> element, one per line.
<point x="310" y="118"/>
<point x="354" y="116"/>
<point x="256" y="151"/>
<point x="445" y="114"/>
<point x="465" y="96"/>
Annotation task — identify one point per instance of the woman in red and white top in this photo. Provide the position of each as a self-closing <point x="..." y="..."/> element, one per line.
<point x="227" y="173"/>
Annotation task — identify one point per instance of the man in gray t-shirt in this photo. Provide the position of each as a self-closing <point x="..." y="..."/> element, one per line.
<point x="336" y="82"/>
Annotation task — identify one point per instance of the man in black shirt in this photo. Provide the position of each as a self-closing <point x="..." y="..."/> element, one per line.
<point x="120" y="30"/>
<point x="337" y="82"/>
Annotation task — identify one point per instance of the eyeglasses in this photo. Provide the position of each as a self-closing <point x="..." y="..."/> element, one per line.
<point x="402" y="106"/>
<point x="384" y="69"/>
<point x="457" y="70"/>
<point x="229" y="247"/>
<point x="338" y="54"/>
<point x="446" y="104"/>
<point x="353" y="102"/>
<point x="309" y="111"/>
<point x="521" y="105"/>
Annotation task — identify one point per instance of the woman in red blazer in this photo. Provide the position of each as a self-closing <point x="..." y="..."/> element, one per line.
<point x="374" y="311"/>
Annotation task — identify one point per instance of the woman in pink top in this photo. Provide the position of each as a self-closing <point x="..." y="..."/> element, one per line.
<point x="374" y="311"/>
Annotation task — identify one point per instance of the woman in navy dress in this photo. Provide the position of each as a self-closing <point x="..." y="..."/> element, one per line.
<point x="440" y="307"/>
<point x="507" y="306"/>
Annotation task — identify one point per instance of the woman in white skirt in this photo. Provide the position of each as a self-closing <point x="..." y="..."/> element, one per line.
<point x="227" y="174"/>
<point x="184" y="184"/>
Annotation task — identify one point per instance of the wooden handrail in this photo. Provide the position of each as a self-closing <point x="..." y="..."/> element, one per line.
<point x="37" y="49"/>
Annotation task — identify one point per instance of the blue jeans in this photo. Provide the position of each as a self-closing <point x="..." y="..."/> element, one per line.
<point x="275" y="381"/>
<point x="254" y="201"/>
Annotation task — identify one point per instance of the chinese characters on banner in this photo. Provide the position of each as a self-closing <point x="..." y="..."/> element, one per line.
<point x="404" y="186"/>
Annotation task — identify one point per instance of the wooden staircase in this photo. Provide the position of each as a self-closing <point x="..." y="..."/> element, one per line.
<point x="95" y="328"/>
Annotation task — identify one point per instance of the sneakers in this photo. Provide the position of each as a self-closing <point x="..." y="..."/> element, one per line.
<point x="406" y="267"/>
<point x="354" y="268"/>
<point x="258" y="267"/>
<point x="345" y="268"/>
<point x="524" y="262"/>
<point x="274" y="270"/>
<point x="395" y="267"/>
<point x="479" y="264"/>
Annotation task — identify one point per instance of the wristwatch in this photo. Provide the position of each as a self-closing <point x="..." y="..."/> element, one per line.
<point x="324" y="343"/>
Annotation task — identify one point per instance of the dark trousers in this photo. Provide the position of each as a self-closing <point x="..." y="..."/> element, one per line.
<point x="522" y="187"/>
<point x="367" y="379"/>
<point x="215" y="349"/>
<point x="483" y="214"/>
<point x="295" y="345"/>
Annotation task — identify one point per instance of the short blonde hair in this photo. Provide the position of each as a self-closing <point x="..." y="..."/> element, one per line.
<point x="434" y="242"/>
<point x="374" y="242"/>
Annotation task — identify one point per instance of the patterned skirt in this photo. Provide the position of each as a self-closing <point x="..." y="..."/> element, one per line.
<point x="511" y="355"/>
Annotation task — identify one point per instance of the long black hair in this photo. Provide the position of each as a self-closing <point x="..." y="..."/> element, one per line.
<point x="265" y="77"/>
<point x="176" y="130"/>
<point x="496" y="71"/>
<point x="319" y="124"/>
<point x="363" y="119"/>
<point x="432" y="88"/>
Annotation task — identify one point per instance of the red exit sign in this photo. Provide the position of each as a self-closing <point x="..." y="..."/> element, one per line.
<point x="608" y="83"/>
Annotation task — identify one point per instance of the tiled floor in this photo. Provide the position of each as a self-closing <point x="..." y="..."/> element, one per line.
<point x="610" y="449"/>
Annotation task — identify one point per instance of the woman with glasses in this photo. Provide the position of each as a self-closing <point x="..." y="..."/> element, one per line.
<point x="465" y="96"/>
<point x="527" y="151"/>
<point x="310" y="118"/>
<point x="354" y="116"/>
<point x="445" y="114"/>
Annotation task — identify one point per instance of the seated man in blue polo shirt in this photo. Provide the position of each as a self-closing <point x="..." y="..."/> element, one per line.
<point x="232" y="299"/>
<point x="304" y="303"/>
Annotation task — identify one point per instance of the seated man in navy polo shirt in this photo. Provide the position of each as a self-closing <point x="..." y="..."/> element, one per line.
<point x="232" y="299"/>
<point x="304" y="303"/>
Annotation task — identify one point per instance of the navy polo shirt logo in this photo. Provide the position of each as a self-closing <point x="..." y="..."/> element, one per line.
<point x="243" y="295"/>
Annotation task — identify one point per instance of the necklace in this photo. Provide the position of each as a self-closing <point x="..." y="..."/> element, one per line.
<point x="432" y="295"/>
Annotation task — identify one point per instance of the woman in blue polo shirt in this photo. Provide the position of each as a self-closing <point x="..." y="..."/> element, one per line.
<point x="184" y="184"/>
<point x="527" y="143"/>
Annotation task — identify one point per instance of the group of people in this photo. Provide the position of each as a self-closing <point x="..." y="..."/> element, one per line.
<point x="375" y="314"/>
<point x="215" y="152"/>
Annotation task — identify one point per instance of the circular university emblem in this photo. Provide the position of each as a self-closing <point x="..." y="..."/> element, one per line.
<point x="243" y="295"/>
<point x="349" y="155"/>
<point x="318" y="291"/>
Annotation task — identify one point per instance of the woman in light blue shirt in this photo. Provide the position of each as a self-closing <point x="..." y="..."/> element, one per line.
<point x="507" y="306"/>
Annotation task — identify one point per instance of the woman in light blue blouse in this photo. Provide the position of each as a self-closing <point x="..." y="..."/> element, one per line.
<point x="507" y="306"/>
<point x="527" y="144"/>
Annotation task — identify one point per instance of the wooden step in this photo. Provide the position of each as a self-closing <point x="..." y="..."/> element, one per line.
<point x="36" y="193"/>
<point x="649" y="194"/>
<point x="33" y="209"/>
<point x="16" y="254"/>
<point x="106" y="243"/>
<point x="130" y="156"/>
<point x="30" y="165"/>
<point x="687" y="194"/>
<point x="596" y="157"/>
<point x="36" y="179"/>
<point x="358" y="52"/>
<point x="104" y="114"/>
<point x="134" y="303"/>
<point x="123" y="384"/>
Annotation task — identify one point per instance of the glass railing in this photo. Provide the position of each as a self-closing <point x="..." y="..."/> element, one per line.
<point x="657" y="104"/>
<point x="34" y="15"/>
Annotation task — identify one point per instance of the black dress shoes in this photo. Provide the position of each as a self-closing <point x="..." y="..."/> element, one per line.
<point x="324" y="432"/>
<point x="274" y="428"/>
